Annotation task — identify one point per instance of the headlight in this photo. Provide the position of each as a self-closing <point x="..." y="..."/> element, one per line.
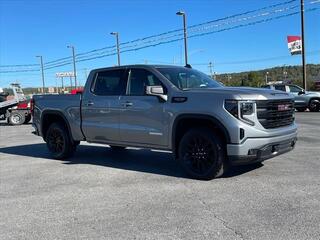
<point x="242" y="110"/>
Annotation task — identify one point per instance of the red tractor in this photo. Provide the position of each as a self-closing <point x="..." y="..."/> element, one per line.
<point x="16" y="110"/>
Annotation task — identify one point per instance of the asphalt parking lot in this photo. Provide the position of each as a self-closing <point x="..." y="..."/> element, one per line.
<point x="142" y="194"/>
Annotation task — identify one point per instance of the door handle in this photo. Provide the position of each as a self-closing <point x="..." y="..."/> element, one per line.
<point x="127" y="104"/>
<point x="89" y="103"/>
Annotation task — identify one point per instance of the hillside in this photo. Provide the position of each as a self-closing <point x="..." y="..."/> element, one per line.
<point x="291" y="74"/>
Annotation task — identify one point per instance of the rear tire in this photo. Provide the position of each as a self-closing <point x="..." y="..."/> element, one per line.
<point x="16" y="118"/>
<point x="202" y="154"/>
<point x="27" y="119"/>
<point x="59" y="142"/>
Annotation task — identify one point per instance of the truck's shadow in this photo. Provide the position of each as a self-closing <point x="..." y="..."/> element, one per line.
<point x="139" y="160"/>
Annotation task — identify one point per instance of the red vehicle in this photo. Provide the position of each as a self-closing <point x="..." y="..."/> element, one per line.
<point x="17" y="110"/>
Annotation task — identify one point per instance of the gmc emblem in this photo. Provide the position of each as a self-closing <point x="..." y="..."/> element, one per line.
<point x="283" y="107"/>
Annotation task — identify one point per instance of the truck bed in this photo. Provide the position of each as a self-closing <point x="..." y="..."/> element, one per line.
<point x="8" y="103"/>
<point x="68" y="105"/>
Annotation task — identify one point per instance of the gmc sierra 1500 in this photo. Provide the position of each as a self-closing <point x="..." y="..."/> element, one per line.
<point x="207" y="126"/>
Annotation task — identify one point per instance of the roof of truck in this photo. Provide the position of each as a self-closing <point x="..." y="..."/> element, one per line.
<point x="139" y="65"/>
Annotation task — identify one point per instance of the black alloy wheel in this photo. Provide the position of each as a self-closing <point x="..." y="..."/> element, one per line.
<point x="202" y="154"/>
<point x="58" y="141"/>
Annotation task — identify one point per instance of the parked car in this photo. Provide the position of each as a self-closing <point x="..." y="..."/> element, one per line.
<point x="17" y="109"/>
<point x="302" y="99"/>
<point x="207" y="126"/>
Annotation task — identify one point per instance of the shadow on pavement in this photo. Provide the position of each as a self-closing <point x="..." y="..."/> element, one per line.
<point x="139" y="160"/>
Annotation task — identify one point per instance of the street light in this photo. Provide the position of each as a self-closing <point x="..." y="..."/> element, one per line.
<point x="74" y="65"/>
<point x="42" y="73"/>
<point x="117" y="43"/>
<point x="183" y="14"/>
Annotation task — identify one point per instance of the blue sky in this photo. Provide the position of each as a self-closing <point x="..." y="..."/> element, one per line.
<point x="29" y="28"/>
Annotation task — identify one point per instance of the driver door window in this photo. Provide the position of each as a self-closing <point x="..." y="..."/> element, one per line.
<point x="294" y="89"/>
<point x="138" y="80"/>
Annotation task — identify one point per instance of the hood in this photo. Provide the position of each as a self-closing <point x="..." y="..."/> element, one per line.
<point x="312" y="93"/>
<point x="245" y="93"/>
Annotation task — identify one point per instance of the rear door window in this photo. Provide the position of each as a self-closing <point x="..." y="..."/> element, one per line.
<point x="280" y="87"/>
<point x="109" y="83"/>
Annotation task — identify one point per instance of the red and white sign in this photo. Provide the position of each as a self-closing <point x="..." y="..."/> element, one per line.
<point x="294" y="44"/>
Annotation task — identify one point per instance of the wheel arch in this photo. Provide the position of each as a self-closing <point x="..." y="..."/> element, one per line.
<point x="313" y="98"/>
<point x="184" y="121"/>
<point x="50" y="116"/>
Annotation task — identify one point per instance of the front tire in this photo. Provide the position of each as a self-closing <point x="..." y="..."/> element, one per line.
<point x="314" y="105"/>
<point x="202" y="154"/>
<point x="58" y="141"/>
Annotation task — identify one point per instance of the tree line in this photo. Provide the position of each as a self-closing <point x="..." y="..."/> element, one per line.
<point x="289" y="74"/>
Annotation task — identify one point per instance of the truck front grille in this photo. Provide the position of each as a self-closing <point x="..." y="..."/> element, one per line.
<point x="275" y="113"/>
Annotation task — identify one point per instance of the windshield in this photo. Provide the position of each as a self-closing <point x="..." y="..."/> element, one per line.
<point x="187" y="78"/>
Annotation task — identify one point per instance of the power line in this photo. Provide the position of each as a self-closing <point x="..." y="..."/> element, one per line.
<point x="157" y="35"/>
<point x="176" y="37"/>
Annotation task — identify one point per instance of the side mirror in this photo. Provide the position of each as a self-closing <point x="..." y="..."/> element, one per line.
<point x="156" y="91"/>
<point x="301" y="92"/>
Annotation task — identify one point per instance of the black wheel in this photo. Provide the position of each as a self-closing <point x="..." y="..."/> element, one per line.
<point x="117" y="148"/>
<point x="314" y="105"/>
<point x="16" y="118"/>
<point x="58" y="141"/>
<point x="202" y="154"/>
<point x="301" y="109"/>
<point x="27" y="119"/>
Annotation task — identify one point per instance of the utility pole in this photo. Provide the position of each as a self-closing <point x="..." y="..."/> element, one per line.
<point x="304" y="70"/>
<point x="117" y="44"/>
<point x="210" y="67"/>
<point x="85" y="74"/>
<point x="183" y="14"/>
<point x="70" y="82"/>
<point x="42" y="72"/>
<point x="74" y="66"/>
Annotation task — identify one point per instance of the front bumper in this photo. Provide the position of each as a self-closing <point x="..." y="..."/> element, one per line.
<point x="259" y="149"/>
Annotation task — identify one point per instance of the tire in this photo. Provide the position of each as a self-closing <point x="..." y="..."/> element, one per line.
<point x="59" y="142"/>
<point x="117" y="148"/>
<point x="202" y="154"/>
<point x="301" y="109"/>
<point x="16" y="118"/>
<point x="314" y="105"/>
<point x="27" y="119"/>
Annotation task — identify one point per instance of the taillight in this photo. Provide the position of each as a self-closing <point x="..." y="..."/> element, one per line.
<point x="31" y="105"/>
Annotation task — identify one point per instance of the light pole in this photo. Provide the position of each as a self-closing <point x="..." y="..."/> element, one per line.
<point x="117" y="44"/>
<point x="210" y="67"/>
<point x="304" y="70"/>
<point x="183" y="14"/>
<point x="74" y="66"/>
<point x="267" y="73"/>
<point x="42" y="72"/>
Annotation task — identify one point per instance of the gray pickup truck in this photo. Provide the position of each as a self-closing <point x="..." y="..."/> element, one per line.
<point x="206" y="126"/>
<point x="302" y="99"/>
